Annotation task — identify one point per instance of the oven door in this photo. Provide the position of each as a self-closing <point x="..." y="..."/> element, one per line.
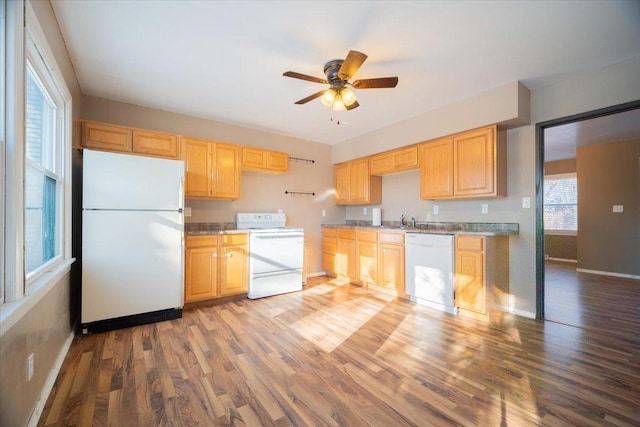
<point x="273" y="251"/>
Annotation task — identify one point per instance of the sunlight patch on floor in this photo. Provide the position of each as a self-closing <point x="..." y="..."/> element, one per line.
<point x="330" y="327"/>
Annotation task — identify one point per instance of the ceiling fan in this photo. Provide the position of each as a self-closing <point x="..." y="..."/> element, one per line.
<point x="338" y="72"/>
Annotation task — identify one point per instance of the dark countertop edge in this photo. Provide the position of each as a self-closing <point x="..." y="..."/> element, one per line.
<point x="422" y="229"/>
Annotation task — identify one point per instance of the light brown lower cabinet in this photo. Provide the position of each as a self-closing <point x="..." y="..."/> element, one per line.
<point x="482" y="274"/>
<point x="364" y="256"/>
<point x="216" y="266"/>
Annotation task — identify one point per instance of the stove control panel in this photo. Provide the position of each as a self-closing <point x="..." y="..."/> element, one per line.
<point x="260" y="220"/>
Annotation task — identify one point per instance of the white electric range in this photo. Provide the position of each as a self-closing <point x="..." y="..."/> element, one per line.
<point x="276" y="254"/>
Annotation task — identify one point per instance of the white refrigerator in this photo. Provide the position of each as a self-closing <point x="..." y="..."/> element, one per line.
<point x="132" y="240"/>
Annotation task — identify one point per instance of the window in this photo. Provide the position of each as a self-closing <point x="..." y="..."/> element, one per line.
<point x="561" y="204"/>
<point x="43" y="185"/>
<point x="35" y="164"/>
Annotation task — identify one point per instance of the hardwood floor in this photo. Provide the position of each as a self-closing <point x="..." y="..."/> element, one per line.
<point x="592" y="301"/>
<point x="336" y="355"/>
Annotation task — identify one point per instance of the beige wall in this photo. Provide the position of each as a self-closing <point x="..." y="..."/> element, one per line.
<point x="259" y="192"/>
<point x="609" y="241"/>
<point x="44" y="331"/>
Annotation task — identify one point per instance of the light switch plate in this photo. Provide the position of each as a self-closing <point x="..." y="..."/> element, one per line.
<point x="436" y="209"/>
<point x="484" y="208"/>
<point x="364" y="211"/>
<point x="526" y="202"/>
<point x="187" y="211"/>
<point x="618" y="208"/>
<point x="324" y="212"/>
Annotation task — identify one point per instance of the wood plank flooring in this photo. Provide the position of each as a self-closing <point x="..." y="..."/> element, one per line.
<point x="342" y="355"/>
<point x="592" y="301"/>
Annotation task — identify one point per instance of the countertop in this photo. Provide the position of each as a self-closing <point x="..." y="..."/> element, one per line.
<point x="469" y="228"/>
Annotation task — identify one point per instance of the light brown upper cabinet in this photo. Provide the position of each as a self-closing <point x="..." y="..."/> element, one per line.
<point x="123" y="139"/>
<point x="469" y="164"/>
<point x="394" y="161"/>
<point x="212" y="169"/>
<point x="266" y="161"/>
<point x="354" y="184"/>
<point x="155" y="144"/>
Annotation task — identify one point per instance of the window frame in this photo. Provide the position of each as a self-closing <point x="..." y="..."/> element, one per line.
<point x="3" y="137"/>
<point x="23" y="28"/>
<point x="552" y="232"/>
<point x="36" y="65"/>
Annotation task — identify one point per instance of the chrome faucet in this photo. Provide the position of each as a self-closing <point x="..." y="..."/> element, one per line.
<point x="402" y="220"/>
<point x="413" y="221"/>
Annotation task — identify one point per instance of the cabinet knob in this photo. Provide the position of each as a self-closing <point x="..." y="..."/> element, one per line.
<point x="230" y="254"/>
<point x="214" y="255"/>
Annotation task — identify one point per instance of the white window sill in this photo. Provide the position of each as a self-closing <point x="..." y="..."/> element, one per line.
<point x="12" y="312"/>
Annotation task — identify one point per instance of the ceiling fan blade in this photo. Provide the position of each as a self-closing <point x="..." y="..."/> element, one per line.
<point x="310" y="97"/>
<point x="295" y="75"/>
<point x="382" y="82"/>
<point x="351" y="64"/>
<point x="352" y="106"/>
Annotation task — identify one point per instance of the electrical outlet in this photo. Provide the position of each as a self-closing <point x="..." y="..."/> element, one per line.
<point x="324" y="212"/>
<point x="30" y="367"/>
<point x="436" y="209"/>
<point x="187" y="211"/>
<point x="484" y="208"/>
<point x="364" y="211"/>
<point x="618" y="208"/>
<point x="526" y="202"/>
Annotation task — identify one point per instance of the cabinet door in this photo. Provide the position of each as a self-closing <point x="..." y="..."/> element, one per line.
<point x="201" y="273"/>
<point x="342" y="183"/>
<point x="197" y="157"/>
<point x="329" y="249"/>
<point x="225" y="174"/>
<point x="277" y="162"/>
<point x="367" y="261"/>
<point x="359" y="181"/>
<point x="474" y="162"/>
<point x="234" y="270"/>
<point x="106" y="137"/>
<point x="436" y="169"/>
<point x="470" y="293"/>
<point x="155" y="144"/>
<point x="346" y="258"/>
<point x="253" y="158"/>
<point x="391" y="266"/>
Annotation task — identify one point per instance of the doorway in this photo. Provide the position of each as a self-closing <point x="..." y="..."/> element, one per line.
<point x="595" y="127"/>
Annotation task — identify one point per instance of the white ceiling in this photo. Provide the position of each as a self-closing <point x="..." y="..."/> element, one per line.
<point x="223" y="60"/>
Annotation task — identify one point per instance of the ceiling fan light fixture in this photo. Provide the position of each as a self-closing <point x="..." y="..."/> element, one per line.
<point x="328" y="97"/>
<point x="338" y="103"/>
<point x="348" y="97"/>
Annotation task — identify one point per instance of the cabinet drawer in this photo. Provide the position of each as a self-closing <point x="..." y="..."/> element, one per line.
<point x="385" y="237"/>
<point x="346" y="233"/>
<point x="329" y="232"/>
<point x="234" y="239"/>
<point x="201" y="241"/>
<point x="470" y="243"/>
<point x="367" y="235"/>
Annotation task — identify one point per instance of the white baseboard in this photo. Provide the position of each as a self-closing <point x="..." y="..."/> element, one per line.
<point x="522" y="313"/>
<point x="575" y="261"/>
<point x="608" y="273"/>
<point x="317" y="274"/>
<point x="51" y="379"/>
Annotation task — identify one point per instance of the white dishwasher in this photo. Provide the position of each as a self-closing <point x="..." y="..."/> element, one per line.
<point x="429" y="270"/>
